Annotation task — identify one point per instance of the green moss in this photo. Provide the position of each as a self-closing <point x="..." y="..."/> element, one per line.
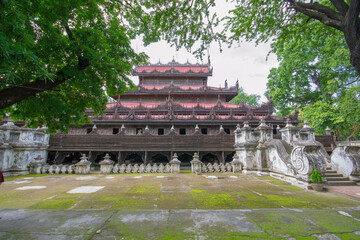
<point x="35" y="176"/>
<point x="348" y="236"/>
<point x="292" y="187"/>
<point x="285" y="225"/>
<point x="288" y="201"/>
<point x="265" y="177"/>
<point x="55" y="204"/>
<point x="94" y="204"/>
<point x="176" y="200"/>
<point x="146" y="188"/>
<point x="278" y="182"/>
<point x="8" y="196"/>
<point x="210" y="200"/>
<point x="70" y="196"/>
<point x="128" y="201"/>
<point x="333" y="221"/>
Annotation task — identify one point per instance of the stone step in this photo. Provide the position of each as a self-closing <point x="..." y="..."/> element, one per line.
<point x="337" y="178"/>
<point x="330" y="171"/>
<point x="332" y="175"/>
<point x="341" y="183"/>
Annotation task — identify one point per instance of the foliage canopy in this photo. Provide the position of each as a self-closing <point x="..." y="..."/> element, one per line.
<point x="60" y="57"/>
<point x="318" y="47"/>
<point x="248" y="99"/>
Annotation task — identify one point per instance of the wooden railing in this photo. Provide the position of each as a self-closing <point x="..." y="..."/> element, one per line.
<point x="170" y="142"/>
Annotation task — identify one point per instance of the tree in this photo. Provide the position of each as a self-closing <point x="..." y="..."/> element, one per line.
<point x="312" y="67"/>
<point x="317" y="44"/>
<point x="342" y="114"/>
<point x="271" y="19"/>
<point x="315" y="76"/>
<point x="60" y="57"/>
<point x="248" y="99"/>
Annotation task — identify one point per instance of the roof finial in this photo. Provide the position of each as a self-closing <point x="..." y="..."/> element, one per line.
<point x="209" y="62"/>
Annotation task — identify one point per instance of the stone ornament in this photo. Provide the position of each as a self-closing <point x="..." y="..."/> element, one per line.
<point x="83" y="167"/>
<point x="175" y="164"/>
<point x="236" y="164"/>
<point x="106" y="165"/>
<point x="196" y="164"/>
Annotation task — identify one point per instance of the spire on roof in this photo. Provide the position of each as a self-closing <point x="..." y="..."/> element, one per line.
<point x="209" y="62"/>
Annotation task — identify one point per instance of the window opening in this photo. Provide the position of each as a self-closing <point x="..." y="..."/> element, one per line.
<point x="115" y="130"/>
<point x="204" y="131"/>
<point x="160" y="131"/>
<point x="182" y="131"/>
<point x="139" y="131"/>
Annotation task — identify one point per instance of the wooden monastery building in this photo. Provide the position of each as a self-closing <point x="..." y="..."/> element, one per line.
<point x="172" y="111"/>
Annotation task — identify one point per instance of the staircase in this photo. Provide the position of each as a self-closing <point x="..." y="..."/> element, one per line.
<point x="333" y="178"/>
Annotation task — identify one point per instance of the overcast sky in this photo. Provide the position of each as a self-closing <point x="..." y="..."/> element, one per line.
<point x="246" y="62"/>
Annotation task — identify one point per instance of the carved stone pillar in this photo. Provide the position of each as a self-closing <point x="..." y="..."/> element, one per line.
<point x="236" y="164"/>
<point x="196" y="164"/>
<point x="222" y="157"/>
<point x="83" y="167"/>
<point x="289" y="133"/>
<point x="307" y="133"/>
<point x="265" y="134"/>
<point x="245" y="147"/>
<point x="106" y="165"/>
<point x="175" y="164"/>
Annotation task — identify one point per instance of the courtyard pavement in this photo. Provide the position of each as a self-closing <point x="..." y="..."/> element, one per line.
<point x="167" y="206"/>
<point x="341" y="223"/>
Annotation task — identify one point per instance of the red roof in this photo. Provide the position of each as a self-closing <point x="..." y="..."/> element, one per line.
<point x="188" y="105"/>
<point x="135" y="104"/>
<point x="163" y="69"/>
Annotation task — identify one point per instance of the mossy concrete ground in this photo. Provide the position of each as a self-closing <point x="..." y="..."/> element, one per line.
<point x="173" y="206"/>
<point x="337" y="223"/>
<point x="164" y="191"/>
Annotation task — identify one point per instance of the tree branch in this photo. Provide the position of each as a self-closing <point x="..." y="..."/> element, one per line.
<point x="320" y="8"/>
<point x="68" y="31"/>
<point x="10" y="96"/>
<point x="319" y="12"/>
<point x="341" y="6"/>
<point x="352" y="21"/>
<point x="356" y="127"/>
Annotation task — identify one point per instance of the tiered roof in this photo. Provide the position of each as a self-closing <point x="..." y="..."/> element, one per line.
<point x="173" y="68"/>
<point x="133" y="109"/>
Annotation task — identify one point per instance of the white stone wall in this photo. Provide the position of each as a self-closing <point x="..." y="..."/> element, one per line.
<point x="20" y="146"/>
<point x="293" y="157"/>
<point x="345" y="159"/>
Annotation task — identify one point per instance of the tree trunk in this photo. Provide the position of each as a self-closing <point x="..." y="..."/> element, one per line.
<point x="353" y="133"/>
<point x="17" y="93"/>
<point x="352" y="33"/>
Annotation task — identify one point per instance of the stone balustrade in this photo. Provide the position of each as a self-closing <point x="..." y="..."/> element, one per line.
<point x="43" y="168"/>
<point x="142" y="168"/>
<point x="216" y="168"/>
<point x="292" y="159"/>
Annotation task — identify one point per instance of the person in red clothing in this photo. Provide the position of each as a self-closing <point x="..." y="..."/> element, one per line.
<point x="1" y="177"/>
